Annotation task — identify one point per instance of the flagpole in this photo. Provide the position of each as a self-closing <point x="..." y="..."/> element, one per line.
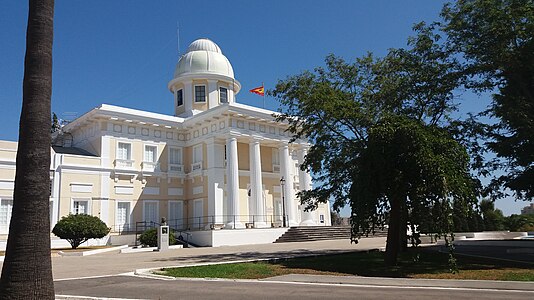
<point x="263" y="95"/>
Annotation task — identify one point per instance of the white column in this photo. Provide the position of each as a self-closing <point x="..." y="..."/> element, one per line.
<point x="232" y="183"/>
<point x="256" y="184"/>
<point x="215" y="170"/>
<point x="105" y="180"/>
<point x="213" y="94"/>
<point x="188" y="97"/>
<point x="288" y="191"/>
<point x="305" y="184"/>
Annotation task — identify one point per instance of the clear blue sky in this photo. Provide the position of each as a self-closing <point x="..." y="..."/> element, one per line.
<point x="124" y="52"/>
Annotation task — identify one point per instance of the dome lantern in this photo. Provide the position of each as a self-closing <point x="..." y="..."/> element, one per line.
<point x="203" y="79"/>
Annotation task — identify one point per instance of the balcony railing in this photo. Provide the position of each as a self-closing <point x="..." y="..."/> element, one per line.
<point x="276" y="168"/>
<point x="196" y="166"/>
<point x="124" y="163"/>
<point x="148" y="166"/>
<point x="176" y="168"/>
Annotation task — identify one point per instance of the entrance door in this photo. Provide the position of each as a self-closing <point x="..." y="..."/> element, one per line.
<point x="176" y="214"/>
<point x="123" y="216"/>
<point x="6" y="207"/>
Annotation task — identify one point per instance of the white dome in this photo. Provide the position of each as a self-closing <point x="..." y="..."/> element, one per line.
<point x="204" y="44"/>
<point x="203" y="57"/>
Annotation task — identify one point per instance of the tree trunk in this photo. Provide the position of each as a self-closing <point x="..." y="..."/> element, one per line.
<point x="27" y="270"/>
<point x="403" y="227"/>
<point x="393" y="239"/>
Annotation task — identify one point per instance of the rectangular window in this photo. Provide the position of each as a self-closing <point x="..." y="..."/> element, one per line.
<point x="197" y="154"/>
<point x="176" y="214"/>
<point x="151" y="153"/>
<point x="80" y="207"/>
<point x="175" y="156"/>
<point x="124" y="151"/>
<point x="150" y="211"/>
<point x="321" y="218"/>
<point x="223" y="95"/>
<point x="200" y="93"/>
<point x="276" y="156"/>
<point x="179" y="98"/>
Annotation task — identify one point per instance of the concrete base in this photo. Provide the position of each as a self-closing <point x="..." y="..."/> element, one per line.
<point x="235" y="225"/>
<point x="217" y="238"/>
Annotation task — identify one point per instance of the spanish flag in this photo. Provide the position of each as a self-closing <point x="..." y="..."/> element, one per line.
<point x="259" y="90"/>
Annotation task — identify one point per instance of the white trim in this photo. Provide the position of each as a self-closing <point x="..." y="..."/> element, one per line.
<point x="7" y="184"/>
<point x="78" y="187"/>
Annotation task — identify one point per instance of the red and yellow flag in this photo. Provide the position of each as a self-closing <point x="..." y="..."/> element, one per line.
<point x="259" y="90"/>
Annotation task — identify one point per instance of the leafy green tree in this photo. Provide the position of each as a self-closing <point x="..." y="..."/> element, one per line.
<point x="27" y="268"/>
<point x="79" y="228"/>
<point x="376" y="126"/>
<point x="519" y="222"/>
<point x="493" y="218"/>
<point x="56" y="126"/>
<point x="495" y="39"/>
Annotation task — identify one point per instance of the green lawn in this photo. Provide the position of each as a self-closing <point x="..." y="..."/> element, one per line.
<point x="414" y="264"/>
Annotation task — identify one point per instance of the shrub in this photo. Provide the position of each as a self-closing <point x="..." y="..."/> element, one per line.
<point x="79" y="228"/>
<point x="150" y="237"/>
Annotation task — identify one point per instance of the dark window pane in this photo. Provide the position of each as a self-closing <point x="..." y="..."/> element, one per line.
<point x="223" y="95"/>
<point x="179" y="98"/>
<point x="200" y="93"/>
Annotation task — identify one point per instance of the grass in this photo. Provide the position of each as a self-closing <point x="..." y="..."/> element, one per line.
<point x="413" y="264"/>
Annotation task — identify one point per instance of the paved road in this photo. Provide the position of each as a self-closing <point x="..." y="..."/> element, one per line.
<point x="143" y="288"/>
<point x="100" y="276"/>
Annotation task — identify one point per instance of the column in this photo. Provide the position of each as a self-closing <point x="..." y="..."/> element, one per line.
<point x="213" y="94"/>
<point x="232" y="183"/>
<point x="215" y="170"/>
<point x="188" y="97"/>
<point x="305" y="184"/>
<point x="256" y="184"/>
<point x="285" y="171"/>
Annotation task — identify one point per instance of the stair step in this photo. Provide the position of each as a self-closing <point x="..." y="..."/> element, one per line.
<point x="316" y="233"/>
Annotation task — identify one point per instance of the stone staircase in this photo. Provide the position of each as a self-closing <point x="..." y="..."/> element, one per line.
<point x="317" y="233"/>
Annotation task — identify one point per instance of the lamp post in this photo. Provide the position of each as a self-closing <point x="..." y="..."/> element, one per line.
<point x="282" y="185"/>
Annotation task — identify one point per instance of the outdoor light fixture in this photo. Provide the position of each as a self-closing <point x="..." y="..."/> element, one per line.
<point x="282" y="184"/>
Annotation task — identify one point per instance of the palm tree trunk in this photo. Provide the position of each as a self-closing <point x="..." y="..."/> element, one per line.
<point x="27" y="270"/>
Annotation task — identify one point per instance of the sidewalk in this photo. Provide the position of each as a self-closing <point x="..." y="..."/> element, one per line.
<point x="405" y="282"/>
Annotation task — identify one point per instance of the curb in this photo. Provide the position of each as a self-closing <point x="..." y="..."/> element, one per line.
<point x="92" y="252"/>
<point x="127" y="249"/>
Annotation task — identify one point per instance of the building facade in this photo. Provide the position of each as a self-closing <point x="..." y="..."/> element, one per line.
<point x="214" y="164"/>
